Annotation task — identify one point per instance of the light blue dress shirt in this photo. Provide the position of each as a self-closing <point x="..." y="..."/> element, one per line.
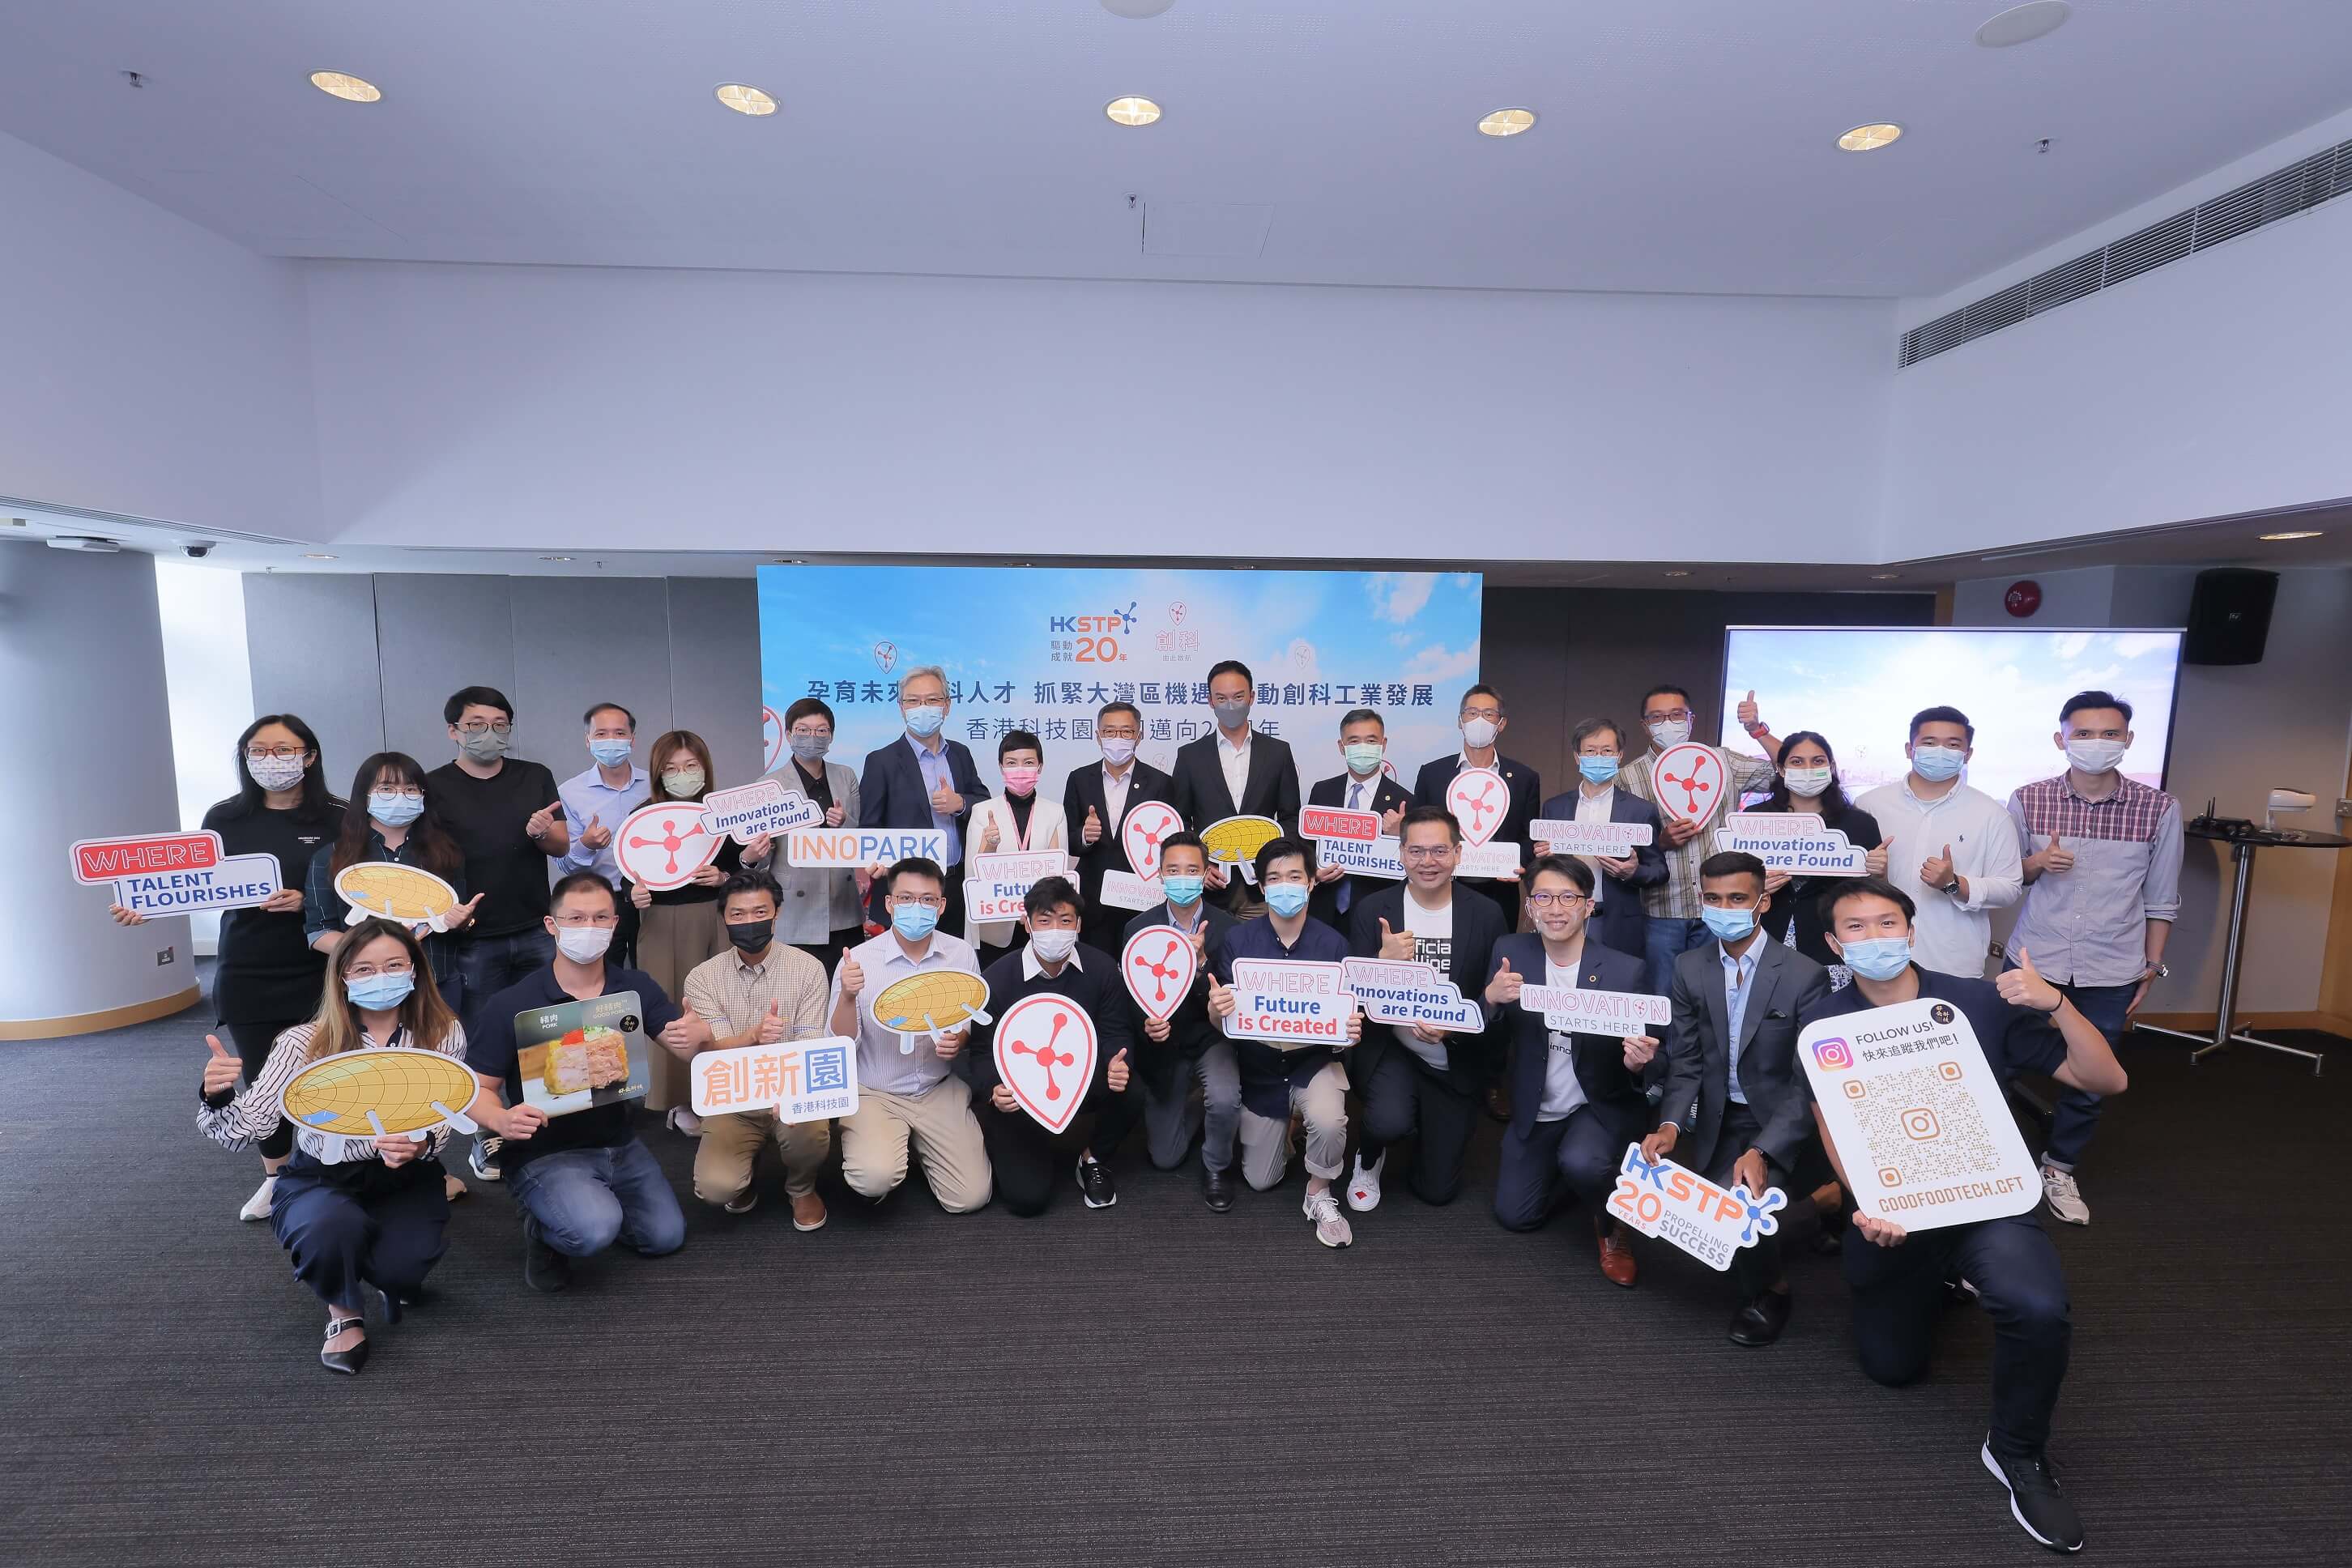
<point x="936" y="772"/>
<point x="1738" y="980"/>
<point x="586" y="796"/>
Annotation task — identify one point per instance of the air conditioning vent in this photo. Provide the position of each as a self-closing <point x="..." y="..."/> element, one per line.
<point x="2296" y="188"/>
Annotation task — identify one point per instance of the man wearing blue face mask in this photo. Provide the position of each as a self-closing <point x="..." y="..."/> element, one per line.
<point x="1735" y="1106"/>
<point x="1671" y="908"/>
<point x="1188" y="1046"/>
<point x="1948" y="846"/>
<point x="1618" y="880"/>
<point x="596" y="802"/>
<point x="1365" y="787"/>
<point x="922" y="779"/>
<point x="2102" y="864"/>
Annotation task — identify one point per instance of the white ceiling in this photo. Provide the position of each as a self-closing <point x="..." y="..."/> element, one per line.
<point x="1685" y="145"/>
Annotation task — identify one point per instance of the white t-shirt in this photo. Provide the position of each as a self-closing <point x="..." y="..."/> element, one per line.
<point x="1433" y="943"/>
<point x="1563" y="1091"/>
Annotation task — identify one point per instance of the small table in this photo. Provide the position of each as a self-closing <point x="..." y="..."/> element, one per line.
<point x="2242" y="845"/>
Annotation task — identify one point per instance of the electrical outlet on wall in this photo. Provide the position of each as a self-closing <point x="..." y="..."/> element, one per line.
<point x="164" y="955"/>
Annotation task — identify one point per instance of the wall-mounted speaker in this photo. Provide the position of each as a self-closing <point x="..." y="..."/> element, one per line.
<point x="2230" y="617"/>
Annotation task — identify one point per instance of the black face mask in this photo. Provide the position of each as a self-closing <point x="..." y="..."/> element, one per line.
<point x="751" y="936"/>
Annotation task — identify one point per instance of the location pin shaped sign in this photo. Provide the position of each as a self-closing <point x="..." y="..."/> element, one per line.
<point x="1046" y="1055"/>
<point x="1478" y="798"/>
<point x="1160" y="964"/>
<point x="1147" y="827"/>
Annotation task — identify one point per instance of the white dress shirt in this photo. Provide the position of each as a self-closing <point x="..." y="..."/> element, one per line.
<point x="1234" y="761"/>
<point x="1595" y="808"/>
<point x="1951" y="935"/>
<point x="1115" y="795"/>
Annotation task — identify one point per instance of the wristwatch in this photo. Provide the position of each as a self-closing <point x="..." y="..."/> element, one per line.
<point x="2160" y="969"/>
<point x="1953" y="886"/>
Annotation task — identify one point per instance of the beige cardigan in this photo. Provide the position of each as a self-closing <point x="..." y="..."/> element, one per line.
<point x="1049" y="828"/>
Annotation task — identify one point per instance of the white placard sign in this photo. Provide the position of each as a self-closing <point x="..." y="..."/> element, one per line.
<point x="1615" y="840"/>
<point x="1378" y="858"/>
<point x="849" y="849"/>
<point x="1045" y="1053"/>
<point x="999" y="883"/>
<point x="1126" y="891"/>
<point x="1160" y="964"/>
<point x="1479" y="800"/>
<point x="1493" y="859"/>
<point x="799" y="1080"/>
<point x="1917" y="1116"/>
<point x="764" y="805"/>
<point x="1574" y="1010"/>
<point x="1791" y="842"/>
<point x="1289" y="1003"/>
<point x="232" y="882"/>
<point x="1676" y="1205"/>
<point x="1404" y="991"/>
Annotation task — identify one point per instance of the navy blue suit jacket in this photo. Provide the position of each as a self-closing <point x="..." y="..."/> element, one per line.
<point x="1621" y="924"/>
<point x="1386" y="796"/>
<point x="1612" y="1090"/>
<point x="891" y="793"/>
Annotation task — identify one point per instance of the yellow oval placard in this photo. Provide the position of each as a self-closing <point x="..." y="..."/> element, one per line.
<point x="949" y="997"/>
<point x="1235" y="840"/>
<point x="335" y="1093"/>
<point x="394" y="892"/>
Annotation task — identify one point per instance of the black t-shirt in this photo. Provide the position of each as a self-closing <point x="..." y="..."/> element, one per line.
<point x="485" y="816"/>
<point x="2015" y="1039"/>
<point x="491" y="1051"/>
<point x="818" y="788"/>
<point x="267" y="972"/>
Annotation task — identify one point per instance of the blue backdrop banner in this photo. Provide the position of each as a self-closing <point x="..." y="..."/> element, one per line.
<point x="1043" y="649"/>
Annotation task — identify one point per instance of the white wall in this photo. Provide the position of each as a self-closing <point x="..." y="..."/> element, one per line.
<point x="147" y="366"/>
<point x="209" y="680"/>
<point x="605" y="408"/>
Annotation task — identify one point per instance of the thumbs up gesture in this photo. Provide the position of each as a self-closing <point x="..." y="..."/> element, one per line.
<point x="1874" y="863"/>
<point x="221" y="1067"/>
<point x="456" y="918"/>
<point x="2024" y="987"/>
<point x="1116" y="1075"/>
<point x="1092" y="832"/>
<point x="543" y="821"/>
<point x="1395" y="944"/>
<point x="596" y="835"/>
<point x="2051" y="856"/>
<point x="772" y="1027"/>
<point x="1222" y="1001"/>
<point x="1937" y="870"/>
<point x="990" y="837"/>
<point x="946" y="801"/>
<point x="1750" y="719"/>
<point x="853" y="978"/>
<point x="1506" y="986"/>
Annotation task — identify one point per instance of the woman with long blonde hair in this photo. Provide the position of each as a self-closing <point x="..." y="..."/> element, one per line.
<point x="357" y="1214"/>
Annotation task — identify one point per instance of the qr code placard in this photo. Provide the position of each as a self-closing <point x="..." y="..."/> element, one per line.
<point x="1922" y="1125"/>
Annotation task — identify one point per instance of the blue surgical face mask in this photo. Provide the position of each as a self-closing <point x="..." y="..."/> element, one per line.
<point x="1937" y="763"/>
<point x="1182" y="891"/>
<point x="611" y="754"/>
<point x="925" y="720"/>
<point x="1880" y="958"/>
<point x="1597" y="769"/>
<point x="1287" y="899"/>
<point x="914" y="922"/>
<point x="1363" y="757"/>
<point x="1728" y="925"/>
<point x="394" y="810"/>
<point x="381" y="993"/>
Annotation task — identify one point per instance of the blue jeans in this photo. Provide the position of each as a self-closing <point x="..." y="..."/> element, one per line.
<point x="2076" y="1115"/>
<point x="489" y="964"/>
<point x="1669" y="938"/>
<point x="580" y="1201"/>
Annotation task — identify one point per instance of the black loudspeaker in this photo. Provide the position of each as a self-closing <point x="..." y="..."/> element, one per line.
<point x="2230" y="617"/>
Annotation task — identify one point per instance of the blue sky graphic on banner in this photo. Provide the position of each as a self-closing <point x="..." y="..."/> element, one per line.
<point x="1043" y="649"/>
<point x="1859" y="687"/>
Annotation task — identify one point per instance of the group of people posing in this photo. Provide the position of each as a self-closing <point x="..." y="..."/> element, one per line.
<point x="754" y="949"/>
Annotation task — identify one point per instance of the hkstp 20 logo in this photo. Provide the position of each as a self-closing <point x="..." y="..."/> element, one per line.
<point x="1114" y="621"/>
<point x="1834" y="1055"/>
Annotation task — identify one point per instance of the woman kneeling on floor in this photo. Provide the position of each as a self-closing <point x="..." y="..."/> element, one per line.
<point x="355" y="1213"/>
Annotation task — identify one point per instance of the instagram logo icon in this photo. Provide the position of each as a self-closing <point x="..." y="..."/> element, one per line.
<point x="1834" y="1053"/>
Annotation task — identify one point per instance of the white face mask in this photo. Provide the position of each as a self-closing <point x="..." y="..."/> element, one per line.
<point x="275" y="772"/>
<point x="1118" y="752"/>
<point x="1807" y="781"/>
<point x="584" y="944"/>
<point x="1671" y="731"/>
<point x="1478" y="733"/>
<point x="2096" y="756"/>
<point x="1054" y="946"/>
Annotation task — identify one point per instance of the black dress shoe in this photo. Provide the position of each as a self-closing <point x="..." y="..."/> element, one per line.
<point x="1759" y="1321"/>
<point x="1217" y="1187"/>
<point x="392" y="1305"/>
<point x="348" y="1362"/>
<point x="543" y="1267"/>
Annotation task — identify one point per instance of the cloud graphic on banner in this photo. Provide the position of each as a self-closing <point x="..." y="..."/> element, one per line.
<point x="1437" y="662"/>
<point x="1398" y="595"/>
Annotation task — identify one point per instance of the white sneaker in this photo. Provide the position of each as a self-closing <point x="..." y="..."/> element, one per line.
<point x="681" y="1120"/>
<point x="1332" y="1227"/>
<point x="2064" y="1196"/>
<point x="1364" y="1187"/>
<point x="258" y="1205"/>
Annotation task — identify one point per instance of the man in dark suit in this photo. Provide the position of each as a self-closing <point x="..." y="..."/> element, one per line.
<point x="1365" y="787"/>
<point x="1097" y="799"/>
<point x="1189" y="1046"/>
<point x="1617" y="918"/>
<point x="1736" y="1108"/>
<point x="1415" y="1076"/>
<point x="922" y="779"/>
<point x="1483" y="722"/>
<point x="1576" y="1099"/>
<point x="1235" y="771"/>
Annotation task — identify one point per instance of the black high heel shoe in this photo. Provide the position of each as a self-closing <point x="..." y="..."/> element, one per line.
<point x="345" y="1361"/>
<point x="391" y="1306"/>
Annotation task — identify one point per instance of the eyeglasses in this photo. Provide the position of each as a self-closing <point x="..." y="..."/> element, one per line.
<point x="576" y="921"/>
<point x="257" y="752"/>
<point x="1557" y="900"/>
<point x="478" y="727"/>
<point x="1667" y="715"/>
<point x="365" y="971"/>
<point x="1425" y="851"/>
<point x="811" y="732"/>
<point x="919" y="900"/>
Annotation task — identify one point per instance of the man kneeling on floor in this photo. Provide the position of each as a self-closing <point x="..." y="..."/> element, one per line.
<point x="582" y="1181"/>
<point x="1020" y="1150"/>
<point x="2025" y="1025"/>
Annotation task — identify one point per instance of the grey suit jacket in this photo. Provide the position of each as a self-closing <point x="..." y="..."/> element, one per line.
<point x="816" y="903"/>
<point x="1698" y="1068"/>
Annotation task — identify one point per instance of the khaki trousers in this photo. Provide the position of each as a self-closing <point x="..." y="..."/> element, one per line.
<point x="730" y="1151"/>
<point x="944" y="1133"/>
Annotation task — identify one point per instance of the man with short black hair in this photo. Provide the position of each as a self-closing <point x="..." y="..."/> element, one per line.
<point x="2102" y="867"/>
<point x="923" y="779"/>
<point x="1616" y="919"/>
<point x="1097" y="799"/>
<point x="1020" y="1150"/>
<point x="1234" y="770"/>
<point x="1482" y="720"/>
<point x="1737" y="1107"/>
<point x="1948" y="846"/>
<point x="1364" y="786"/>
<point x="1188" y="1047"/>
<point x="2025" y="1025"/>
<point x="1674" y="908"/>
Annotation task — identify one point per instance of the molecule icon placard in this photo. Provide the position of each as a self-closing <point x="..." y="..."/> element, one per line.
<point x="1160" y="964"/>
<point x="1479" y="800"/>
<point x="1046" y="1055"/>
<point x="1147" y="824"/>
<point x="1687" y="781"/>
<point x="661" y="847"/>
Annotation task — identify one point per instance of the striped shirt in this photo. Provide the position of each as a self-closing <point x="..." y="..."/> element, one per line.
<point x="1677" y="898"/>
<point x="732" y="995"/>
<point x="2088" y="926"/>
<point x="254" y="1114"/>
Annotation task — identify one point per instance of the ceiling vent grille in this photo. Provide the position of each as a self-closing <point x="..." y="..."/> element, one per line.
<point x="2296" y="188"/>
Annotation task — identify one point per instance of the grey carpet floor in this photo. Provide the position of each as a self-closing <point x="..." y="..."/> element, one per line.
<point x="1151" y="1383"/>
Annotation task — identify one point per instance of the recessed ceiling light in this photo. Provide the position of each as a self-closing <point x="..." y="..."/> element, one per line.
<point x="316" y="555"/>
<point x="339" y="84"/>
<point x="1677" y="573"/>
<point x="1507" y="122"/>
<point x="1136" y="10"/>
<point x="1884" y="576"/>
<point x="2295" y="533"/>
<point x="2024" y="24"/>
<point x="1870" y="137"/>
<point x="745" y="100"/>
<point x="555" y="558"/>
<point x="1132" y="111"/>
